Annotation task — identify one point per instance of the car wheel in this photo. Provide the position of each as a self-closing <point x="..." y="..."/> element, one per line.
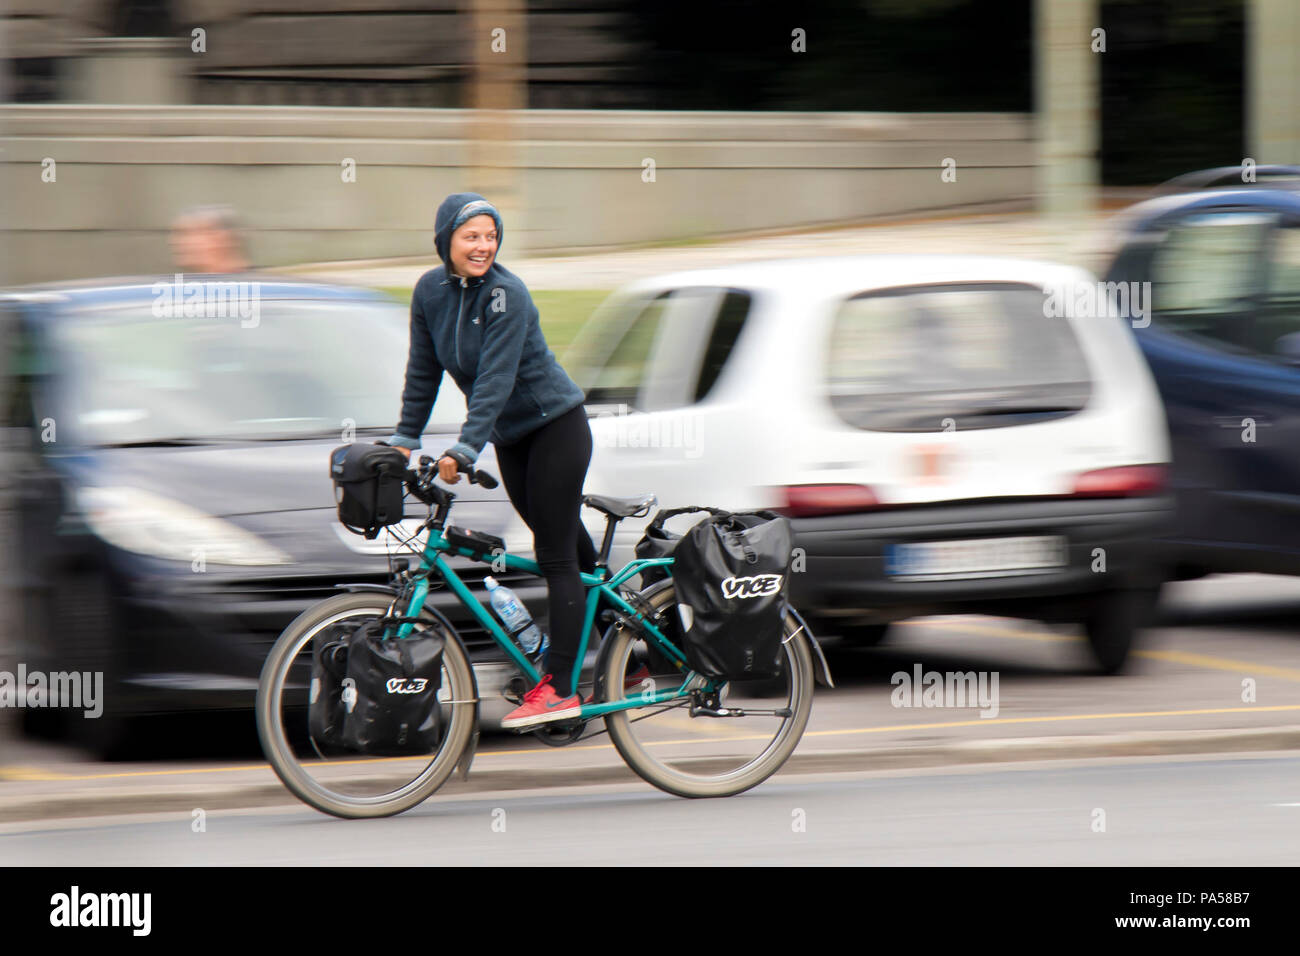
<point x="82" y="631"/>
<point x="1149" y="604"/>
<point x="37" y="723"/>
<point x="862" y="635"/>
<point x="1112" y="625"/>
<point x="43" y="724"/>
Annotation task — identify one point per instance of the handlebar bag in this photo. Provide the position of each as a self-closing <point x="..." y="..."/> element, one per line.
<point x="731" y="571"/>
<point x="390" y="694"/>
<point x="368" y="486"/>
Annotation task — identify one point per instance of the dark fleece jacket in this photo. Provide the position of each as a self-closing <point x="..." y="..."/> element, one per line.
<point x="485" y="333"/>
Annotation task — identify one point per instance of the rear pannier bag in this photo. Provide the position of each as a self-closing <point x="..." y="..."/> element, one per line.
<point x="659" y="542"/>
<point x="374" y="695"/>
<point x="368" y="486"/>
<point x="730" y="572"/>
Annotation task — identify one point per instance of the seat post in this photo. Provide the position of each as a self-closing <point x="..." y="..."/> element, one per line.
<point x="602" y="559"/>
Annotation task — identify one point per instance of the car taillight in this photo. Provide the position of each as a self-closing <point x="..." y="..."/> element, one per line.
<point x="806" y="501"/>
<point x="1121" y="482"/>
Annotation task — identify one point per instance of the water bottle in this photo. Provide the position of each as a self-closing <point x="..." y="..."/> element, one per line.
<point x="519" y="623"/>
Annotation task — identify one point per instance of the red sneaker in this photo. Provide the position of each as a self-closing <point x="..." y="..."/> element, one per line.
<point x="542" y="705"/>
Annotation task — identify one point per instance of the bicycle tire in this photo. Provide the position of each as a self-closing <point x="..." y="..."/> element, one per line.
<point x="798" y="664"/>
<point x="279" y="751"/>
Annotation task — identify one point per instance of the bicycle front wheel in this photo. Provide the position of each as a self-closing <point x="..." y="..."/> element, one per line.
<point x="703" y="755"/>
<point x="348" y="784"/>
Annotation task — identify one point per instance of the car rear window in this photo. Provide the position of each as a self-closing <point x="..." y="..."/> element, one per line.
<point x="950" y="357"/>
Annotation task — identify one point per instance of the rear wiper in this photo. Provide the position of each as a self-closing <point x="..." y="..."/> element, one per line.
<point x="162" y="443"/>
<point x="1018" y="410"/>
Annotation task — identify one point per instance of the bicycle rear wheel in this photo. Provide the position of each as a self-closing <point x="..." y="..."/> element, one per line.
<point x="704" y="756"/>
<point x="348" y="784"/>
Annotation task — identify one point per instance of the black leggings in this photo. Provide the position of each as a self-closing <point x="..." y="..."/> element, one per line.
<point x="543" y="473"/>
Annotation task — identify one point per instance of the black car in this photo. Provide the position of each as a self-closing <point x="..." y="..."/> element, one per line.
<point x="167" y="464"/>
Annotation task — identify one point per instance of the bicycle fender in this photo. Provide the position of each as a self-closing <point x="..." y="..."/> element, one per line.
<point x="821" y="670"/>
<point x="380" y="588"/>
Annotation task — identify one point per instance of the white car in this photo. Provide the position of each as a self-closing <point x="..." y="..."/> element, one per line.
<point x="947" y="434"/>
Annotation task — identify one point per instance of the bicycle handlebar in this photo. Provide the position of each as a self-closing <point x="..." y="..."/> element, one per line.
<point x="420" y="481"/>
<point x="476" y="476"/>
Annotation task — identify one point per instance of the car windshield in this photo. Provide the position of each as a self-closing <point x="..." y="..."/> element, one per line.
<point x="304" y="368"/>
<point x="937" y="358"/>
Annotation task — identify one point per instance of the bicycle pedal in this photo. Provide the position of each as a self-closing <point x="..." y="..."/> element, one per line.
<point x="514" y="690"/>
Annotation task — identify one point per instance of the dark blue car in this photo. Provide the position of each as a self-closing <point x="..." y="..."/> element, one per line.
<point x="1223" y="340"/>
<point x="165" y="459"/>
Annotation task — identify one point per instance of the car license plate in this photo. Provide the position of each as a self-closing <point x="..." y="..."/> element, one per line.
<point x="975" y="557"/>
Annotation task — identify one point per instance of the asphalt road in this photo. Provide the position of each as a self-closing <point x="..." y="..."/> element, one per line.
<point x="1185" y="693"/>
<point x="1150" y="812"/>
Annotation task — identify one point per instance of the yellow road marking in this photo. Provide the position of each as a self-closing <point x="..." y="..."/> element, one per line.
<point x="844" y="732"/>
<point x="1222" y="664"/>
<point x="1179" y="657"/>
<point x="1000" y="631"/>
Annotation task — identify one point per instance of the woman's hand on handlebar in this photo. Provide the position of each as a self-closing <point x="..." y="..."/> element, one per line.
<point x="447" y="469"/>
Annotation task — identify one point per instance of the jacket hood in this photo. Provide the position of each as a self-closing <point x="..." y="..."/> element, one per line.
<point x="452" y="213"/>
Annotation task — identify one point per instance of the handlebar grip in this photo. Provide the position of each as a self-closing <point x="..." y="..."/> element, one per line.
<point x="476" y="476"/>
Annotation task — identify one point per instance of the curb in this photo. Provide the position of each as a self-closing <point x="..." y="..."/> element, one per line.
<point x="1001" y="750"/>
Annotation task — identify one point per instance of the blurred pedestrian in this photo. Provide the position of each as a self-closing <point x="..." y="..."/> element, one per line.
<point x="206" y="239"/>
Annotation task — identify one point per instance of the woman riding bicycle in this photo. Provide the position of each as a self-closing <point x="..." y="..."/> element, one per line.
<point x="475" y="319"/>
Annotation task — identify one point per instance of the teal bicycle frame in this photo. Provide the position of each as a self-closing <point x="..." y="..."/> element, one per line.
<point x="597" y="586"/>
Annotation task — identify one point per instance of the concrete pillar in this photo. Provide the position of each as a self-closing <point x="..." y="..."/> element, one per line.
<point x="136" y="70"/>
<point x="1067" y="108"/>
<point x="1273" y="81"/>
<point x="497" y="94"/>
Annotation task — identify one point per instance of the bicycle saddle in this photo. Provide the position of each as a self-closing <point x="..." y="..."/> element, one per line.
<point x="621" y="507"/>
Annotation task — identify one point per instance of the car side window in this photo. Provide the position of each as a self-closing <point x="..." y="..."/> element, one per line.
<point x="731" y="317"/>
<point x="620" y="378"/>
<point x="19" y="369"/>
<point x="1276" y="329"/>
<point x="1207" y="274"/>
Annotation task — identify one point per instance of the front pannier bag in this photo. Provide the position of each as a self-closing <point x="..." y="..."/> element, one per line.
<point x="374" y="695"/>
<point x="730" y="570"/>
<point x="329" y="668"/>
<point x="395" y="684"/>
<point x="368" y="486"/>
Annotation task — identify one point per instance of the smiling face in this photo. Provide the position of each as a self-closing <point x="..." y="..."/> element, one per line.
<point x="474" y="246"/>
